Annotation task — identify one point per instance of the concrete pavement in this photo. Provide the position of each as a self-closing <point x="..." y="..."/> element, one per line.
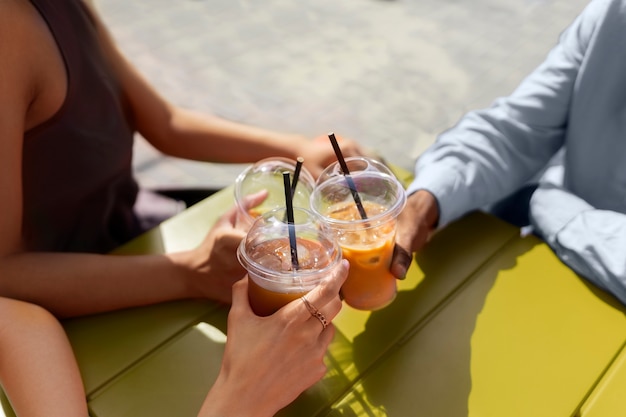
<point x="389" y="73"/>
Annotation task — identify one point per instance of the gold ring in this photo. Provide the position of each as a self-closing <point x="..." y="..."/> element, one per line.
<point x="315" y="312"/>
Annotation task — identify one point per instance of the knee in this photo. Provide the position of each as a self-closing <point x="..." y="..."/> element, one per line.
<point x="18" y="315"/>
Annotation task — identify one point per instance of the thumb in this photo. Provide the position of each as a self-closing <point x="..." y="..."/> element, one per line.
<point x="415" y="224"/>
<point x="248" y="202"/>
<point x="400" y="261"/>
<point x="402" y="251"/>
<point x="240" y="296"/>
<point x="253" y="200"/>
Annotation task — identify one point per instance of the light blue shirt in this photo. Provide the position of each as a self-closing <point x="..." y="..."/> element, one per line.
<point x="575" y="100"/>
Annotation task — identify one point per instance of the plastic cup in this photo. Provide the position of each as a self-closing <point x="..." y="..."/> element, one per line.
<point x="267" y="174"/>
<point x="366" y="243"/>
<point x="266" y="254"/>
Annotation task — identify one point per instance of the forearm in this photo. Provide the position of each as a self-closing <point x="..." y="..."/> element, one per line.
<point x="492" y="152"/>
<point x="187" y="134"/>
<point x="291" y="342"/>
<point x="224" y="401"/>
<point x="590" y="241"/>
<point x="79" y="284"/>
<point x="201" y="136"/>
<point x="593" y="244"/>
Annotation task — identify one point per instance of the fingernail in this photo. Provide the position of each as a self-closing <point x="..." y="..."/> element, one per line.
<point x="398" y="272"/>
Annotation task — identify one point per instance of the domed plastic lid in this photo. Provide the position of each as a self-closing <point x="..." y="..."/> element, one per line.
<point x="267" y="174"/>
<point x="266" y="250"/>
<point x="380" y="192"/>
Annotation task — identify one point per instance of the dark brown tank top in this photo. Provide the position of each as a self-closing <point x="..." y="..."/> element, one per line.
<point x="78" y="186"/>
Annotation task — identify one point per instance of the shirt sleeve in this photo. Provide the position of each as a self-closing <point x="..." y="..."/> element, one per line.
<point x="492" y="152"/>
<point x="590" y="241"/>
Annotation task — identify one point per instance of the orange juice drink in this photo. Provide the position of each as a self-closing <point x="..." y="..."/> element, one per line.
<point x="369" y="285"/>
<point x="266" y="302"/>
<point x="366" y="242"/>
<point x="266" y="255"/>
<point x="268" y="294"/>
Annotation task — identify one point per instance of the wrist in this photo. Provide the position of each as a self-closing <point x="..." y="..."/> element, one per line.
<point x="424" y="205"/>
<point x="227" y="400"/>
<point x="186" y="270"/>
<point x="296" y="146"/>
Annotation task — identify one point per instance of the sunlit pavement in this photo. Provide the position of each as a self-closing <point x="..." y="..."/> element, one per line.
<point x="391" y="74"/>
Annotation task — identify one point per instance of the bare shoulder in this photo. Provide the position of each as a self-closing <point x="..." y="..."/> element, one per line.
<point x="18" y="23"/>
<point x="17" y="92"/>
<point x="16" y="13"/>
<point x="17" y="79"/>
<point x="33" y="78"/>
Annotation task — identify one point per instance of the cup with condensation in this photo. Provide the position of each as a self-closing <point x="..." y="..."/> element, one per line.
<point x="267" y="174"/>
<point x="265" y="253"/>
<point x="367" y="243"/>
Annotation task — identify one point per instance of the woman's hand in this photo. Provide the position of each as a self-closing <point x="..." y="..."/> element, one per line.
<point x="214" y="263"/>
<point x="269" y="361"/>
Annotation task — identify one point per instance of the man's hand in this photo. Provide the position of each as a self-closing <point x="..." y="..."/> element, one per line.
<point x="415" y="225"/>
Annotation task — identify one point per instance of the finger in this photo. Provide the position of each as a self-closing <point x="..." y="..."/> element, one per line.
<point x="319" y="297"/>
<point x="316" y="316"/>
<point x="326" y="336"/>
<point x="240" y="296"/>
<point x="402" y="251"/>
<point x="333" y="308"/>
<point x="324" y="316"/>
<point x="328" y="290"/>
<point x="226" y="235"/>
<point x="228" y="218"/>
<point x="249" y="201"/>
<point x="355" y="149"/>
<point x="400" y="262"/>
<point x="253" y="200"/>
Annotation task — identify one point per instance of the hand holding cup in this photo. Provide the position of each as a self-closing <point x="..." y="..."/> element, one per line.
<point x="291" y="342"/>
<point x="214" y="263"/>
<point x="360" y="199"/>
<point x="266" y="253"/>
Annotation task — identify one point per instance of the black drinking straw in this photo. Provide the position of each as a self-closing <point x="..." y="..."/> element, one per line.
<point x="296" y="175"/>
<point x="346" y="173"/>
<point x="294" y="182"/>
<point x="292" y="230"/>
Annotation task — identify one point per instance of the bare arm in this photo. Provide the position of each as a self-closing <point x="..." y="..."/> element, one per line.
<point x="292" y="344"/>
<point x="76" y="284"/>
<point x="37" y="367"/>
<point x="188" y="134"/>
<point x="66" y="284"/>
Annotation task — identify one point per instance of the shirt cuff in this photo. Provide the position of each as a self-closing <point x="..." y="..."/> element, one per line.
<point x="442" y="183"/>
<point x="552" y="208"/>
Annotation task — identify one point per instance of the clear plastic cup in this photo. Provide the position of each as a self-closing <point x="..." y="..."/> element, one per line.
<point x="266" y="254"/>
<point x="366" y="243"/>
<point x="267" y="174"/>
